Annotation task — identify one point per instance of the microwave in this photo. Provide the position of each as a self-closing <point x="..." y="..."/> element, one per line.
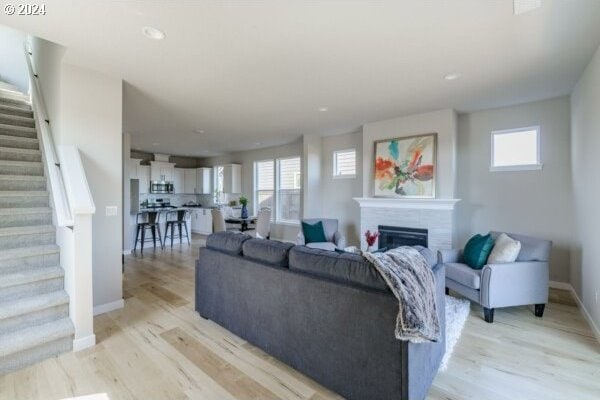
<point x="162" y="187"/>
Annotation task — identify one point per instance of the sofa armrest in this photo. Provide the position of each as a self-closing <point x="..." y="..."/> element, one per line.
<point x="300" y="240"/>
<point x="514" y="284"/>
<point x="339" y="240"/>
<point x="449" y="256"/>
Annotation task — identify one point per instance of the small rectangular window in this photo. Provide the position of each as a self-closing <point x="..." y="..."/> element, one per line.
<point x="289" y="185"/>
<point x="264" y="185"/>
<point x="344" y="163"/>
<point x="516" y="149"/>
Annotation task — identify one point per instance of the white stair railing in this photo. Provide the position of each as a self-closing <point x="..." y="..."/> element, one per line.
<point x="73" y="208"/>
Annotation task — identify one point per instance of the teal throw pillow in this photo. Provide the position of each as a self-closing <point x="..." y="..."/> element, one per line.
<point x="477" y="250"/>
<point x="313" y="233"/>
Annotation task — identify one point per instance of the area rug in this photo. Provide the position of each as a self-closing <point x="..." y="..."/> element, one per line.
<point x="457" y="312"/>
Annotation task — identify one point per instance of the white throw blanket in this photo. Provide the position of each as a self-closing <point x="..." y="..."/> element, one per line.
<point x="411" y="279"/>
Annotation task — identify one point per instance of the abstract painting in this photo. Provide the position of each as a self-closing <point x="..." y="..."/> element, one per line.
<point x="405" y="166"/>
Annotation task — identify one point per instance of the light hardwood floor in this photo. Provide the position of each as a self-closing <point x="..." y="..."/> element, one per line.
<point x="157" y="347"/>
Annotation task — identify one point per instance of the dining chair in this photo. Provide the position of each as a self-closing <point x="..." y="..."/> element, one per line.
<point x="218" y="220"/>
<point x="263" y="223"/>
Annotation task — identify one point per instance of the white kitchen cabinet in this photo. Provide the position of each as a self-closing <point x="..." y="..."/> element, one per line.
<point x="178" y="180"/>
<point x="204" y="181"/>
<point x="133" y="165"/>
<point x="232" y="178"/>
<point x="162" y="171"/>
<point x="195" y="220"/>
<point x="189" y="178"/>
<point x="202" y="221"/>
<point x="143" y="174"/>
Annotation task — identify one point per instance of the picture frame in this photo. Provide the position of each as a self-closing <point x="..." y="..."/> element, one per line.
<point x="406" y="166"/>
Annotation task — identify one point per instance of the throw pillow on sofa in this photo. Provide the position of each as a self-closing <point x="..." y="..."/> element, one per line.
<point x="506" y="250"/>
<point x="477" y="250"/>
<point x="313" y="233"/>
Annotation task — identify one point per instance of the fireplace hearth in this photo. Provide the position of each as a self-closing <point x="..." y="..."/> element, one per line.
<point x="395" y="236"/>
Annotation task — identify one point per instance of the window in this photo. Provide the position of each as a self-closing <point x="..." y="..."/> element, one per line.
<point x="278" y="185"/>
<point x="516" y="149"/>
<point x="218" y="178"/>
<point x="344" y="163"/>
<point x="288" y="189"/>
<point x="264" y="185"/>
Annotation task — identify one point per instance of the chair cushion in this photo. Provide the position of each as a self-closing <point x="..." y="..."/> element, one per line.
<point x="227" y="242"/>
<point x="322" y="245"/>
<point x="270" y="252"/>
<point x="464" y="275"/>
<point x="313" y="233"/>
<point x="506" y="250"/>
<point x="346" y="268"/>
<point x="477" y="250"/>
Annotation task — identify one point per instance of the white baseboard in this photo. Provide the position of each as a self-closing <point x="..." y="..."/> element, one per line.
<point x="126" y="252"/>
<point x="584" y="311"/>
<point x="84" y="343"/>
<point x="104" y="308"/>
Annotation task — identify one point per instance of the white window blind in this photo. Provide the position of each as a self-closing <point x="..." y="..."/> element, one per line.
<point x="516" y="149"/>
<point x="264" y="184"/>
<point x="288" y="189"/>
<point x="344" y="163"/>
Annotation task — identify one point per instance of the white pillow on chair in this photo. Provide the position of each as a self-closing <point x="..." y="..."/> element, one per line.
<point x="506" y="250"/>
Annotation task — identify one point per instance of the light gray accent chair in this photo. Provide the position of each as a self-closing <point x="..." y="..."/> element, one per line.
<point x="335" y="239"/>
<point x="523" y="282"/>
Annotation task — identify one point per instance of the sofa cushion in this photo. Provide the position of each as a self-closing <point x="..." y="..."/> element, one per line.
<point x="506" y="250"/>
<point x="477" y="250"/>
<point x="463" y="274"/>
<point x="313" y="233"/>
<point x="341" y="267"/>
<point x="270" y="252"/>
<point x="429" y="255"/>
<point x="532" y="249"/>
<point x="322" y="245"/>
<point x="227" y="242"/>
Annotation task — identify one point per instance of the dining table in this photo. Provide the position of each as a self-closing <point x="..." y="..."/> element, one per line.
<point x="244" y="223"/>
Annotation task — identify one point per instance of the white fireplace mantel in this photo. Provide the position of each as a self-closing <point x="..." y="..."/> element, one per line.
<point x="420" y="204"/>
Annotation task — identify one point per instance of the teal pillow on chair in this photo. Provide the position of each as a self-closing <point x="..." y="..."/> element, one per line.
<point x="477" y="250"/>
<point x="313" y="233"/>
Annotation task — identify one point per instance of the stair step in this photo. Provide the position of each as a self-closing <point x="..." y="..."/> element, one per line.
<point x="23" y="258"/>
<point x="21" y="217"/>
<point x="12" y="154"/>
<point x="19" y="142"/>
<point x="34" y="310"/>
<point x="24" y="199"/>
<point x="20" y="131"/>
<point x="35" y="343"/>
<point x="8" y="86"/>
<point x="8" y="167"/>
<point x="23" y="236"/>
<point x="14" y="96"/>
<point x="31" y="282"/>
<point x="16" y="120"/>
<point x="24" y="105"/>
<point x="22" y="182"/>
<point x="15" y="110"/>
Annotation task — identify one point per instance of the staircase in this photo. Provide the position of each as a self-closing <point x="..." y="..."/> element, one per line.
<point x="34" y="308"/>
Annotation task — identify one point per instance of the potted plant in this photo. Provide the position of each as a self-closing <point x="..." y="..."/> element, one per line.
<point x="371" y="237"/>
<point x="244" y="202"/>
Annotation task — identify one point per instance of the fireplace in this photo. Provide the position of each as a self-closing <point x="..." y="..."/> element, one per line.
<point x="395" y="236"/>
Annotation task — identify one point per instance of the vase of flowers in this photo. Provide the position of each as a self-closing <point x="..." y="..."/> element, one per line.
<point x="244" y="203"/>
<point x="371" y="237"/>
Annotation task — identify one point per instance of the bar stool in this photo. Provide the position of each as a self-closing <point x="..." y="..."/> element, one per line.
<point x="147" y="220"/>
<point x="179" y="218"/>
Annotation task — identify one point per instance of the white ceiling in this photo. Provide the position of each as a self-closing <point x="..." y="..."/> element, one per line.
<point x="257" y="72"/>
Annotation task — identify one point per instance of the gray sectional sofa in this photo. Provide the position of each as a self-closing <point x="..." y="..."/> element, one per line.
<point x="329" y="315"/>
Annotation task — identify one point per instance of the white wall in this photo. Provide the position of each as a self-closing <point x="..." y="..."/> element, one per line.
<point x="537" y="203"/>
<point x="311" y="176"/>
<point x="442" y="122"/>
<point x="13" y="67"/>
<point x="85" y="109"/>
<point x="336" y="194"/>
<point x="585" y="132"/>
<point x="247" y="159"/>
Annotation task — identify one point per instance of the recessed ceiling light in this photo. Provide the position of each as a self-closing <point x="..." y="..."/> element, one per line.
<point x="153" y="33"/>
<point x="323" y="109"/>
<point x="452" y="77"/>
<point x="198" y="130"/>
<point x="155" y="144"/>
<point x="257" y="143"/>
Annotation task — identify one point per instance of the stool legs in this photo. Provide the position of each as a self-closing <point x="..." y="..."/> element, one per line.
<point x="186" y="233"/>
<point x="137" y="234"/>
